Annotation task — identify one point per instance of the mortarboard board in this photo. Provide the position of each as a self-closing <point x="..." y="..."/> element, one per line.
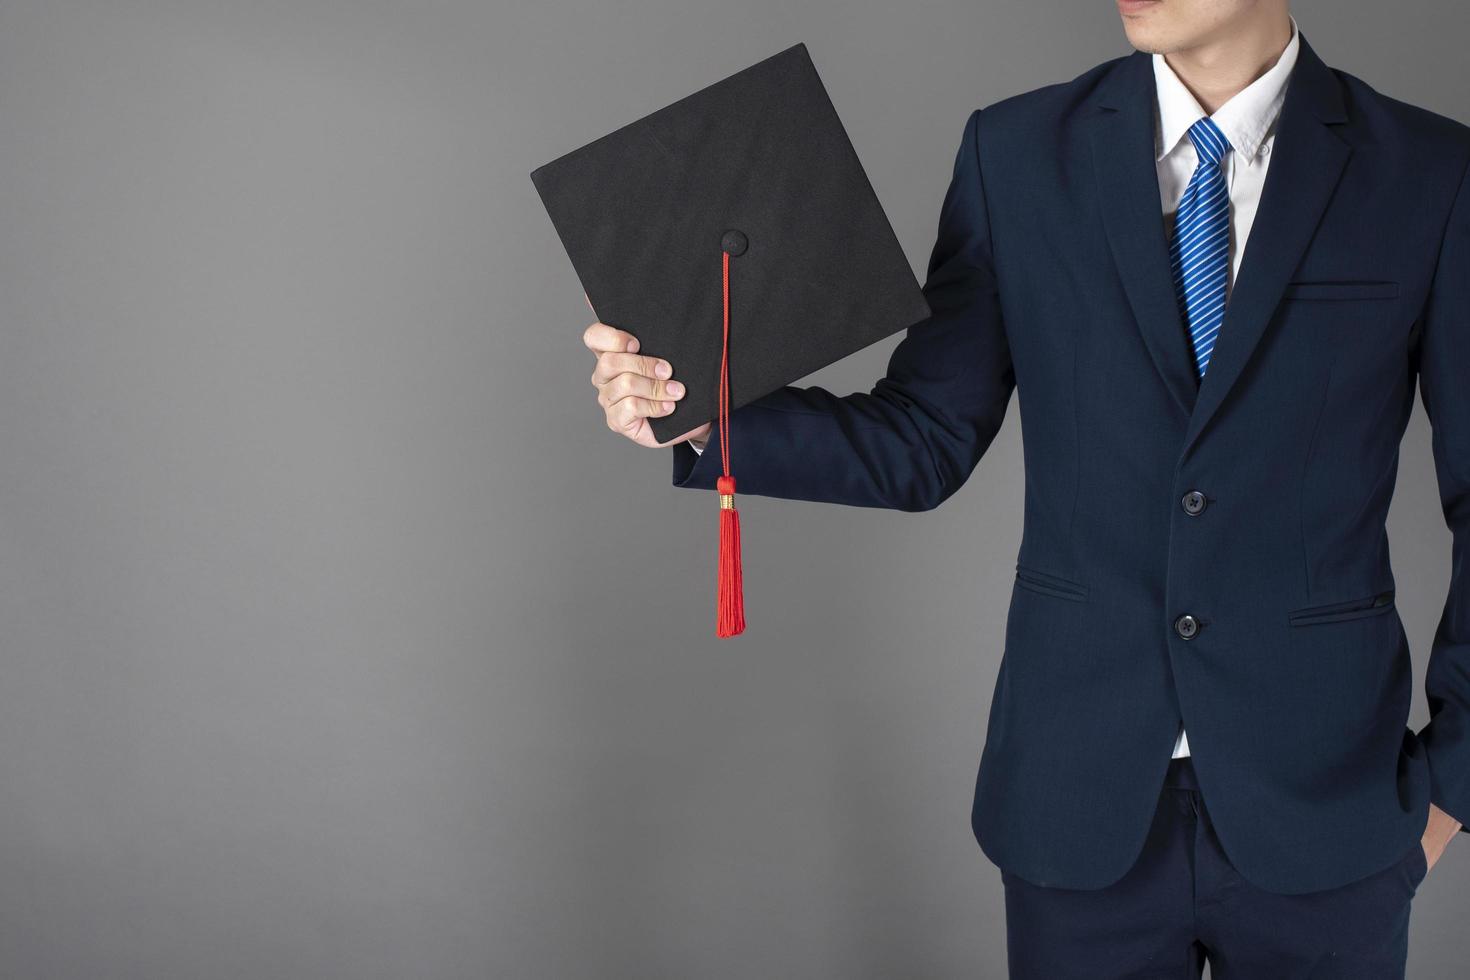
<point x="735" y="234"/>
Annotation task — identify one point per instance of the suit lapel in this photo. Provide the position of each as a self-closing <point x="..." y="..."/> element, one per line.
<point x="1128" y="195"/>
<point x="1306" y="161"/>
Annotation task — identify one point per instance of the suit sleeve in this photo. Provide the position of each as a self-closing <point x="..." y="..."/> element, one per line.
<point x="1444" y="387"/>
<point x="916" y="436"/>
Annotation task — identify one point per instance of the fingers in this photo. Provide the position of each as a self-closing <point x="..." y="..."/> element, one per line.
<point x="625" y="414"/>
<point x="612" y="363"/>
<point x="600" y="337"/>
<point x="632" y="385"/>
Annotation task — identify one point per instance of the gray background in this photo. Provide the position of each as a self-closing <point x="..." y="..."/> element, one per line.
<point x="341" y="638"/>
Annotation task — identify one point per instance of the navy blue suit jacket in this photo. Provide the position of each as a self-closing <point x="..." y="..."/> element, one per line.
<point x="1050" y="276"/>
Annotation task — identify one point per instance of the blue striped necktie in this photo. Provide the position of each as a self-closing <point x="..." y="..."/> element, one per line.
<point x="1200" y="252"/>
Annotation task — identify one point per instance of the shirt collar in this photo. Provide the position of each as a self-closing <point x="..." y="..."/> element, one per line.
<point x="1245" y="118"/>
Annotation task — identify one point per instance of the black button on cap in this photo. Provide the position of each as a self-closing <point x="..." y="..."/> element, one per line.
<point x="1186" y="626"/>
<point x="1193" y="502"/>
<point x="734" y="242"/>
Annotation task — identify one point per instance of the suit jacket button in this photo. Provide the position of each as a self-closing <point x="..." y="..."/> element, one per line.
<point x="1186" y="626"/>
<point x="1193" y="502"/>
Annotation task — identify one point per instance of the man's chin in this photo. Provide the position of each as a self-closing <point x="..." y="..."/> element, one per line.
<point x="1149" y="42"/>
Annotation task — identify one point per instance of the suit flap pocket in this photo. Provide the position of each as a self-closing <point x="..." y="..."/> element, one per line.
<point x="1342" y="289"/>
<point x="1334" y="612"/>
<point x="1049" y="584"/>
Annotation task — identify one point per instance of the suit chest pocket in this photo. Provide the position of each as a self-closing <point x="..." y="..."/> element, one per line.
<point x="1341" y="289"/>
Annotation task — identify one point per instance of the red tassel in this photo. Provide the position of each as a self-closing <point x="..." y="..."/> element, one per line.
<point x="730" y="618"/>
<point x="730" y="589"/>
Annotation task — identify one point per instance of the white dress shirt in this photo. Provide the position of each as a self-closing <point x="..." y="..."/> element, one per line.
<point x="1248" y="120"/>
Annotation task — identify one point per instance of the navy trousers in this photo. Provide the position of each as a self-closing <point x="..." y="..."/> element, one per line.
<point x="1182" y="904"/>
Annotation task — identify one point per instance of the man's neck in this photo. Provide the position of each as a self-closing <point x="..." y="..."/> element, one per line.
<point x="1219" y="68"/>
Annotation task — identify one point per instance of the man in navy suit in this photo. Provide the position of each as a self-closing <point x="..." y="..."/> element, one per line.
<point x="1197" y="747"/>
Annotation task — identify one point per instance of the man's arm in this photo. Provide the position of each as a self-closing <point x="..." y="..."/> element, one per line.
<point x="913" y="440"/>
<point x="1444" y="387"/>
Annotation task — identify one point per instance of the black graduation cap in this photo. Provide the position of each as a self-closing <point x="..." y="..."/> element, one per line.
<point x="735" y="234"/>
